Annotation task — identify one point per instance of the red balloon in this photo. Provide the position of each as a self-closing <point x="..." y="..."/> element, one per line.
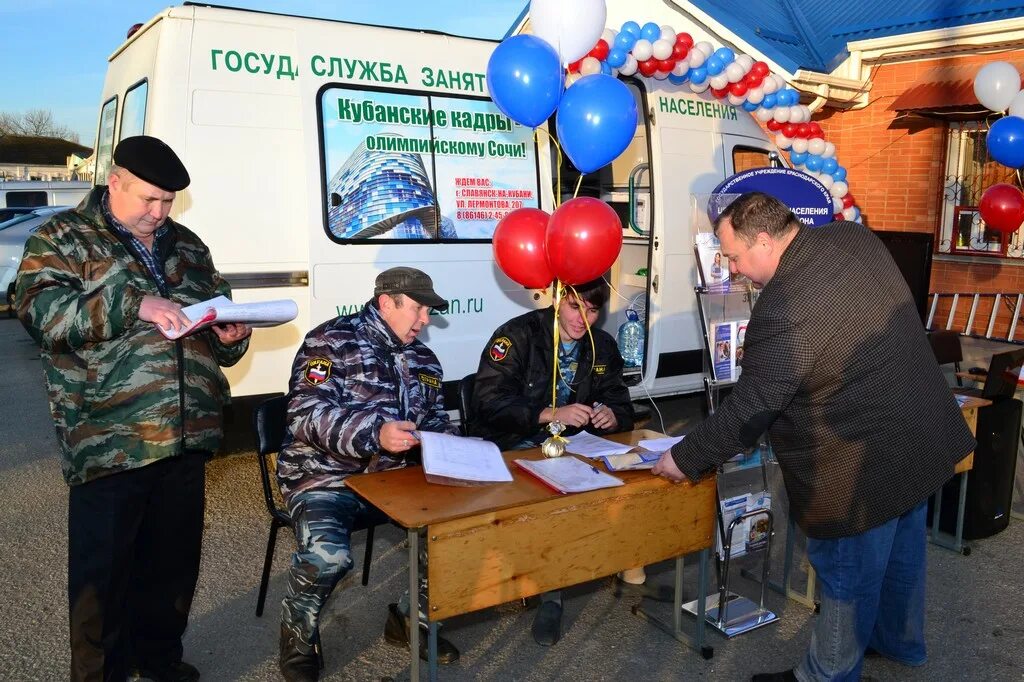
<point x="680" y="50"/>
<point x="684" y="38"/>
<point x="789" y="129"/>
<point x="761" y="69"/>
<point x="773" y="125"/>
<point x="666" y="65"/>
<point x="738" y="88"/>
<point x="815" y="130"/>
<point x="720" y="94"/>
<point x="848" y="200"/>
<point x="600" y="50"/>
<point x="519" y="247"/>
<point x="574" y="67"/>
<point x="1002" y="208"/>
<point x="752" y="79"/>
<point x="583" y="240"/>
<point x="648" y="66"/>
<point x="803" y="129"/>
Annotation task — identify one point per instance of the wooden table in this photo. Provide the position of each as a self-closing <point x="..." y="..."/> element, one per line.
<point x="487" y="545"/>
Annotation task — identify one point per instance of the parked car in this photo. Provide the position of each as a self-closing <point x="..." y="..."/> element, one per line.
<point x="14" y="232"/>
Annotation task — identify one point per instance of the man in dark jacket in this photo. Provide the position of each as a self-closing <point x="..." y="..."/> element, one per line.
<point x="137" y="414"/>
<point x="837" y="368"/>
<point x="512" y="392"/>
<point x="362" y="385"/>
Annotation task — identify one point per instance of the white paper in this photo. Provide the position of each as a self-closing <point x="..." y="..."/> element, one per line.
<point x="644" y="459"/>
<point x="466" y="459"/>
<point x="660" y="444"/>
<point x="589" y="445"/>
<point x="262" y="314"/>
<point x="568" y="474"/>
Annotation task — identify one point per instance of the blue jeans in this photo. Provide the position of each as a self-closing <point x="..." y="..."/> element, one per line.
<point x="872" y="594"/>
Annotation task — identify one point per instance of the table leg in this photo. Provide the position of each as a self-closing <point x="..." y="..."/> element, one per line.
<point x="414" y="604"/>
<point x="702" y="602"/>
<point x="676" y="628"/>
<point x="432" y="652"/>
<point x="958" y="541"/>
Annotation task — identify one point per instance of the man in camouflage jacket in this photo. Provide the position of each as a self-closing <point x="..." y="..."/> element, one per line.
<point x="136" y="414"/>
<point x="362" y="386"/>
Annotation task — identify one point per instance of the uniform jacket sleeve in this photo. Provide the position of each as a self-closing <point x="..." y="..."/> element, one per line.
<point x="500" y="392"/>
<point x="64" y="305"/>
<point x="776" y="363"/>
<point x="333" y="415"/>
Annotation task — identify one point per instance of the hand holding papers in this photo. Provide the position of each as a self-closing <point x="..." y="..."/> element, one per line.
<point x="453" y="460"/>
<point x="221" y="310"/>
<point x="568" y="474"/>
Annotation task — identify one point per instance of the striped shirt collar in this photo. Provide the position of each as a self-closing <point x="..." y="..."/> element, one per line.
<point x="150" y="258"/>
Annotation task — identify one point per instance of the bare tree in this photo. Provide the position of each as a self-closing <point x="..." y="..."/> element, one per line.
<point x="35" y="123"/>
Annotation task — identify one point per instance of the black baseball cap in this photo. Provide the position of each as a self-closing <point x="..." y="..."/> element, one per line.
<point x="152" y="160"/>
<point x="414" y="283"/>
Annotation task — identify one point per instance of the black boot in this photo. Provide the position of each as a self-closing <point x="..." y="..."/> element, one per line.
<point x="784" y="676"/>
<point x="298" y="661"/>
<point x="396" y="632"/>
<point x="547" y="624"/>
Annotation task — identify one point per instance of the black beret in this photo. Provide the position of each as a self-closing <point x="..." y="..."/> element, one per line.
<point x="153" y="161"/>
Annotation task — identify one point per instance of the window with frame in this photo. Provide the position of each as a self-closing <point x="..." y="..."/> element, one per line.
<point x="969" y="172"/>
<point x="133" y="113"/>
<point x="105" y="141"/>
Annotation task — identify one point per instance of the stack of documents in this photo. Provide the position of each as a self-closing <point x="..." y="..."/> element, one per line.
<point x="453" y="460"/>
<point x="589" y="445"/>
<point x="568" y="474"/>
<point x="221" y="310"/>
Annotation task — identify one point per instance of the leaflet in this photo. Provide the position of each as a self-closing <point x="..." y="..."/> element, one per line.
<point x="568" y="474"/>
<point x="455" y="460"/>
<point x="589" y="445"/>
<point x="221" y="310"/>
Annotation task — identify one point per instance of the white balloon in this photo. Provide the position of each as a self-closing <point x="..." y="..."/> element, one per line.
<point x="629" y="67"/>
<point x="828" y="151"/>
<point x="681" y="68"/>
<point x="1017" y="105"/>
<point x="609" y="36"/>
<point x="736" y="100"/>
<point x="769" y="85"/>
<point x="696" y="59"/>
<point x="782" y="142"/>
<point x="643" y="50"/>
<point x="839" y="189"/>
<point x="734" y="72"/>
<point x="996" y="85"/>
<point x="755" y="95"/>
<point x="799" y="145"/>
<point x="746" y="61"/>
<point x="706" y="48"/>
<point x="661" y="75"/>
<point x="572" y="28"/>
<point x="699" y="87"/>
<point x="850" y="213"/>
<point x="662" y="49"/>
<point x="826" y="179"/>
<point x="590" y="66"/>
<point x="763" y="115"/>
<point x="668" y="33"/>
<point x="796" y="114"/>
<point x="718" y="82"/>
<point x="572" y="78"/>
<point x="816" y="146"/>
<point x="837" y="203"/>
<point x="781" y="114"/>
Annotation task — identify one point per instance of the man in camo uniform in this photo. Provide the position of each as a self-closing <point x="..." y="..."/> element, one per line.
<point x="362" y="385"/>
<point x="136" y="414"/>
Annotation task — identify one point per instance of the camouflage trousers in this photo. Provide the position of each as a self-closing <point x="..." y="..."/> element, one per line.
<point x="323" y="521"/>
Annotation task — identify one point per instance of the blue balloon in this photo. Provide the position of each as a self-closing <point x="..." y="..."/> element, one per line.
<point x="750" y="106"/>
<point x="596" y="121"/>
<point x="650" y="31"/>
<point x="725" y="55"/>
<point x="839" y="173"/>
<point x="525" y="79"/>
<point x="698" y="75"/>
<point x="1005" y="141"/>
<point x="714" y="65"/>
<point x="829" y="165"/>
<point x="625" y="41"/>
<point x="788" y="97"/>
<point x="797" y="158"/>
<point x="769" y="100"/>
<point x="813" y="162"/>
<point x="632" y="28"/>
<point x="616" y="56"/>
<point x="676" y="80"/>
<point x="606" y="68"/>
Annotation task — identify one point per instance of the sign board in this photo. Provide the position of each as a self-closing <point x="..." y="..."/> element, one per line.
<point x="806" y="197"/>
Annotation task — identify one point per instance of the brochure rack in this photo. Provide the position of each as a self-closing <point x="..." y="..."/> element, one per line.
<point x="745" y="519"/>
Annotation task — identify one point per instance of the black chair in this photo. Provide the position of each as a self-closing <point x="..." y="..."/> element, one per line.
<point x="946" y="346"/>
<point x="270" y="424"/>
<point x="466" y="401"/>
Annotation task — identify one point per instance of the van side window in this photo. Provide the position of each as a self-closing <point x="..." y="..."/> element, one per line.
<point x="25" y="199"/>
<point x="418" y="167"/>
<point x="133" y="114"/>
<point x="745" y="158"/>
<point x="105" y="140"/>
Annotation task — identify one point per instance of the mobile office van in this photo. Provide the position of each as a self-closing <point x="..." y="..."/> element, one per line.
<point x="323" y="152"/>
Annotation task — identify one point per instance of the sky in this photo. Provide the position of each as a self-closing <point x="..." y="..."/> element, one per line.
<point x="54" y="52"/>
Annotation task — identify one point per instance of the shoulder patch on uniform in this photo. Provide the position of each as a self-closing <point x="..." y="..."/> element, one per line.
<point x="500" y="348"/>
<point x="430" y="380"/>
<point x="318" y="370"/>
<point x="600" y="369"/>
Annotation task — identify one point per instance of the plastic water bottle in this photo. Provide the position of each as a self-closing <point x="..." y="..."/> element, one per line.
<point x="631" y="339"/>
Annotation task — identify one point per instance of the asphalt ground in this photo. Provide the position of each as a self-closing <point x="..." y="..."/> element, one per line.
<point x="974" y="625"/>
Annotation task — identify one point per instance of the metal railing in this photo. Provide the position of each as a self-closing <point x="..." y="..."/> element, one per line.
<point x="1002" y="317"/>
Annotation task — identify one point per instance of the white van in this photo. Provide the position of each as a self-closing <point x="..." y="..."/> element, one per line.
<point x="323" y="152"/>
<point x="26" y="194"/>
